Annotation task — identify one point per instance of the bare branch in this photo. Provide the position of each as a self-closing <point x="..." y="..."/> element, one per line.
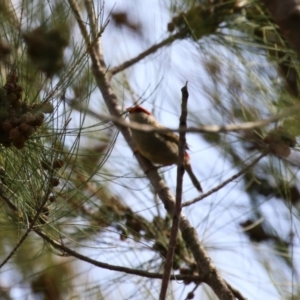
<point x="92" y="18"/>
<point x="144" y="54"/>
<point x="238" y="174"/>
<point x="23" y="238"/>
<point x="200" y="129"/>
<point x="177" y="212"/>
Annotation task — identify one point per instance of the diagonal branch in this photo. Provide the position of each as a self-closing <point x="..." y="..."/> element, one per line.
<point x="29" y="229"/>
<point x="177" y="212"/>
<point x="235" y="176"/>
<point x="200" y="129"/>
<point x="146" y="53"/>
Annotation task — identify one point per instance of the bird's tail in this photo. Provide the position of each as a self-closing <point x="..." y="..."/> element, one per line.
<point x="193" y="177"/>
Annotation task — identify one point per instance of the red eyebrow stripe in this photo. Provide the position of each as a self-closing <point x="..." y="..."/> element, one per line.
<point x="137" y="109"/>
<point x="186" y="155"/>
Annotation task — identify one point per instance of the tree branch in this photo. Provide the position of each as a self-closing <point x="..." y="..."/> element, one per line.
<point x="177" y="212"/>
<point x="200" y="129"/>
<point x="144" y="54"/>
<point x="238" y="174"/>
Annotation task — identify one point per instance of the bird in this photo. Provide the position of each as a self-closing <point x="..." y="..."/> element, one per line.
<point x="158" y="147"/>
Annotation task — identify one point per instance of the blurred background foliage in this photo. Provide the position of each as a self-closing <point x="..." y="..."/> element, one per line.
<point x="74" y="174"/>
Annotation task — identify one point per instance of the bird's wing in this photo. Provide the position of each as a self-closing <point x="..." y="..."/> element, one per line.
<point x="171" y="136"/>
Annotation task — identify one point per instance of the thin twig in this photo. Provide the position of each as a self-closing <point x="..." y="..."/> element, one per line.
<point x="106" y="266"/>
<point x="238" y="174"/>
<point x="177" y="211"/>
<point x="76" y="12"/>
<point x="237" y="294"/>
<point x="29" y="229"/>
<point x="189" y="295"/>
<point x="91" y="15"/>
<point x="200" y="129"/>
<point x="144" y="54"/>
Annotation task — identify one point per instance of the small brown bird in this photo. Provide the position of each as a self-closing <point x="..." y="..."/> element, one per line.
<point x="159" y="147"/>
